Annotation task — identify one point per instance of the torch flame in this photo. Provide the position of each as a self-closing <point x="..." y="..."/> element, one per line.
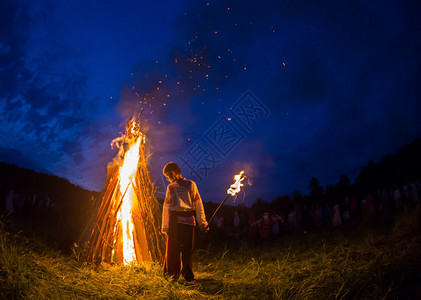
<point x="124" y="215"/>
<point x="236" y="186"/>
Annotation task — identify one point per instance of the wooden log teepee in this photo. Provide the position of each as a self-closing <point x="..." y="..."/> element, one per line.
<point x="108" y="235"/>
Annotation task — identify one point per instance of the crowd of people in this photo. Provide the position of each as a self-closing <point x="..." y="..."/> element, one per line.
<point x="55" y="219"/>
<point x="245" y="223"/>
<point x="31" y="206"/>
<point x="304" y="217"/>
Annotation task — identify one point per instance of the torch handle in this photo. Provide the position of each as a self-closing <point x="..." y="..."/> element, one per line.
<point x="216" y="210"/>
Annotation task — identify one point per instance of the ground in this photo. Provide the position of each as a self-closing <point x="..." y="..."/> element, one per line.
<point x="357" y="261"/>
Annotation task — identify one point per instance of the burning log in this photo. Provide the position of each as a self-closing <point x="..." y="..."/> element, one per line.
<point x="126" y="226"/>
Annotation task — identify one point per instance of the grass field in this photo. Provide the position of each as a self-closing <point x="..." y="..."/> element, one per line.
<point x="358" y="261"/>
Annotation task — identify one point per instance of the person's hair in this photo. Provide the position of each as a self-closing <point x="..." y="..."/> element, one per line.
<point x="171" y="166"/>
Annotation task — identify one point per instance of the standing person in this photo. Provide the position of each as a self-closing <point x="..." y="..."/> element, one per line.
<point x="276" y="228"/>
<point x="336" y="220"/>
<point x="10" y="201"/>
<point x="397" y="197"/>
<point x="236" y="224"/>
<point x="252" y="226"/>
<point x="265" y="227"/>
<point x="182" y="207"/>
<point x="220" y="227"/>
<point x="413" y="194"/>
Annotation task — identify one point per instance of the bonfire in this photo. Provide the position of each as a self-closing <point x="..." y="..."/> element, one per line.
<point x="125" y="226"/>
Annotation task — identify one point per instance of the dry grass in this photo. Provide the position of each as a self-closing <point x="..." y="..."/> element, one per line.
<point x="369" y="263"/>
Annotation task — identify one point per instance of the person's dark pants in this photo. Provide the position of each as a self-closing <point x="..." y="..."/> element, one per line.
<point x="180" y="241"/>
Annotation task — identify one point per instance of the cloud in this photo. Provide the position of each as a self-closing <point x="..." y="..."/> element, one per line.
<point x="44" y="110"/>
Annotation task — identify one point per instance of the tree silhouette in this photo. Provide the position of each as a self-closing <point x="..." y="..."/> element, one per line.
<point x="392" y="170"/>
<point x="316" y="190"/>
<point x="260" y="206"/>
<point x="281" y="205"/>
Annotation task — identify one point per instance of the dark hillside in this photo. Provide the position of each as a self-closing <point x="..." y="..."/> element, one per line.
<point x="46" y="205"/>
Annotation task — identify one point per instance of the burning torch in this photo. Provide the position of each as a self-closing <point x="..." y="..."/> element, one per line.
<point x="234" y="189"/>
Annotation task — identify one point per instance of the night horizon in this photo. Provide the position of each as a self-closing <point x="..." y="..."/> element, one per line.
<point x="300" y="90"/>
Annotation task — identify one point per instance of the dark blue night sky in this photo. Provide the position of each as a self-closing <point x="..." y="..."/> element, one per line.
<point x="286" y="90"/>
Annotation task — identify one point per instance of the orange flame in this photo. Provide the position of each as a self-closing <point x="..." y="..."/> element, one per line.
<point x="124" y="215"/>
<point x="236" y="186"/>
